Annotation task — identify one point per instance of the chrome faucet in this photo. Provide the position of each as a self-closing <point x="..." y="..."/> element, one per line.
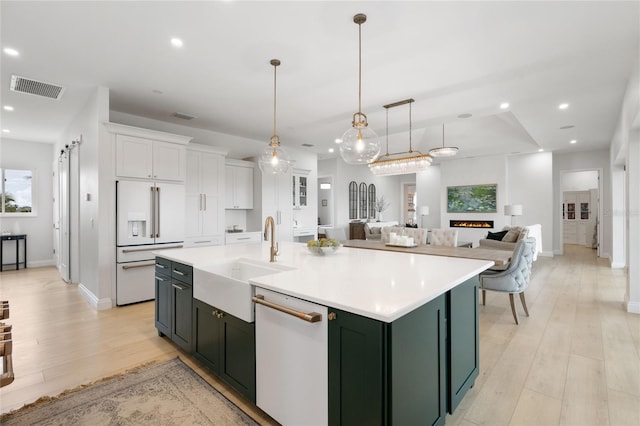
<point x="269" y="222"/>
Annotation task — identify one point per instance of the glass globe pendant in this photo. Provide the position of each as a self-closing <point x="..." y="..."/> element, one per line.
<point x="359" y="144"/>
<point x="274" y="158"/>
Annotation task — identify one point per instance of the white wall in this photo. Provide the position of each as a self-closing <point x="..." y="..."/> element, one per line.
<point x="93" y="206"/>
<point x="581" y="161"/>
<point x="428" y="189"/>
<point x="579" y="181"/>
<point x="530" y="183"/>
<point x="31" y="155"/>
<point x="474" y="171"/>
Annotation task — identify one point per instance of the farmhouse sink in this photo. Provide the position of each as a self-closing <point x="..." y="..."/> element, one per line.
<point x="226" y="285"/>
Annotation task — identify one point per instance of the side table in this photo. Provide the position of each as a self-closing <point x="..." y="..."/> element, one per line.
<point x="17" y="239"/>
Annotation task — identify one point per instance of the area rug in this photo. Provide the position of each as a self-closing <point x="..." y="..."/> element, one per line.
<point x="170" y="393"/>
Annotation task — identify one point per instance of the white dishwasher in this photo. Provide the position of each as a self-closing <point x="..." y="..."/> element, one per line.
<point x="291" y="359"/>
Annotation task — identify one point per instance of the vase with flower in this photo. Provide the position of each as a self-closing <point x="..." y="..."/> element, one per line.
<point x="381" y="205"/>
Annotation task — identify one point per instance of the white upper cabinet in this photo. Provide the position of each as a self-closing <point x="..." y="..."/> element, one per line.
<point x="204" y="188"/>
<point x="300" y="188"/>
<point x="239" y="186"/>
<point x="149" y="154"/>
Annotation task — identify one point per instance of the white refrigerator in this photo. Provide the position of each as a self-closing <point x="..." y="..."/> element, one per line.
<point x="149" y="217"/>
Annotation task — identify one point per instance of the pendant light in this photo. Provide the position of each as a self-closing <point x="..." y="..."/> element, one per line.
<point x="400" y="163"/>
<point x="444" y="151"/>
<point x="274" y="158"/>
<point x="360" y="143"/>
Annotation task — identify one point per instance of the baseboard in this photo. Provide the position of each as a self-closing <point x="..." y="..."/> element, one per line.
<point x="547" y="253"/>
<point x="617" y="265"/>
<point x="633" y="307"/>
<point x="97" y="304"/>
<point x="41" y="263"/>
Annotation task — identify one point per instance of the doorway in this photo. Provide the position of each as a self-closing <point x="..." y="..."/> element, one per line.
<point x="326" y="207"/>
<point x="581" y="212"/>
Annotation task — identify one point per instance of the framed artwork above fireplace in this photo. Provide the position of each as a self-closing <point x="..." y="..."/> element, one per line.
<point x="472" y="198"/>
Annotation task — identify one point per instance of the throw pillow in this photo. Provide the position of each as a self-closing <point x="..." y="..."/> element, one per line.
<point x="376" y="230"/>
<point x="498" y="236"/>
<point x="524" y="233"/>
<point x="511" y="236"/>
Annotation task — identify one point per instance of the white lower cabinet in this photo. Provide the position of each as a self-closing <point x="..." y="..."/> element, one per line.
<point x="243" y="237"/>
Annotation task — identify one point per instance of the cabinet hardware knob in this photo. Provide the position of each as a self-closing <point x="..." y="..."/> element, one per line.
<point x="332" y="316"/>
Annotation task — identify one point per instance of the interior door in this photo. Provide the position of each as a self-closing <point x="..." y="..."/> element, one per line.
<point x="64" y="246"/>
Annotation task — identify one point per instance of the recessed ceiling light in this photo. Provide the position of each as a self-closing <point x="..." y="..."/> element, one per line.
<point x="504" y="105"/>
<point x="6" y="131"/>
<point x="8" y="107"/>
<point x="157" y="92"/>
<point x="465" y="115"/>
<point x="540" y="150"/>
<point x="573" y="141"/>
<point x="331" y="150"/>
<point x="338" y="140"/>
<point x="563" y="106"/>
<point x="569" y="126"/>
<point x="11" y="52"/>
<point x="176" y="42"/>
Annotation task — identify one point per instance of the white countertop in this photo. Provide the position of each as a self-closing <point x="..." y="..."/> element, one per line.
<point x="376" y="284"/>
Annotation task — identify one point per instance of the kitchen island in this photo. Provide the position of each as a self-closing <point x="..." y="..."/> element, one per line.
<point x="402" y="345"/>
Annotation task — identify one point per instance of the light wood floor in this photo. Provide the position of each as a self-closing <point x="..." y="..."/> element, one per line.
<point x="575" y="361"/>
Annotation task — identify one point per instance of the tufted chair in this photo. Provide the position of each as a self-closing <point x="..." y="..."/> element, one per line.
<point x="444" y="237"/>
<point x="514" y="279"/>
<point x="419" y="235"/>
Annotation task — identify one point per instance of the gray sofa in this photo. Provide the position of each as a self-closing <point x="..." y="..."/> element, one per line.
<point x="509" y="241"/>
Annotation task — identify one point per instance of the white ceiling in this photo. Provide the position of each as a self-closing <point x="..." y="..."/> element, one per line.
<point x="451" y="57"/>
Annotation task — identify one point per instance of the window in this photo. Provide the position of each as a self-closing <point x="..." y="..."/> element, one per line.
<point x="18" y="192"/>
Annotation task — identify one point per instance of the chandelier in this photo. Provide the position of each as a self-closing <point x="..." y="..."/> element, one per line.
<point x="274" y="158"/>
<point x="400" y="163"/>
<point x="359" y="144"/>
<point x="443" y="151"/>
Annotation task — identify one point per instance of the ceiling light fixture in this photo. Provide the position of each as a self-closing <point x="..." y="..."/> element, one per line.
<point x="504" y="105"/>
<point x="443" y="151"/>
<point x="274" y="159"/>
<point x="540" y="150"/>
<point x="11" y="52"/>
<point x="176" y="42"/>
<point x="360" y="143"/>
<point x="6" y="131"/>
<point x="563" y="106"/>
<point x="331" y="150"/>
<point x="572" y="141"/>
<point x="400" y="163"/>
<point x="8" y="108"/>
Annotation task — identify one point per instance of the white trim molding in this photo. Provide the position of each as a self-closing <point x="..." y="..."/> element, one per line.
<point x="97" y="304"/>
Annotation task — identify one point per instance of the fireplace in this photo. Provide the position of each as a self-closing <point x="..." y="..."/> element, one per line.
<point x="471" y="223"/>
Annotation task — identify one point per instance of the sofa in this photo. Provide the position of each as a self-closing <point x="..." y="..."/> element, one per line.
<point x="373" y="230"/>
<point x="509" y="237"/>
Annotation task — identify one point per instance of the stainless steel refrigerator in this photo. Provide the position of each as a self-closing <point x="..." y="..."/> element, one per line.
<point x="149" y="217"/>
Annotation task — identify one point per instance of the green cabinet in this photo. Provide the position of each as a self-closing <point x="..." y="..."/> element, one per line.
<point x="463" y="344"/>
<point x="388" y="373"/>
<point x="174" y="299"/>
<point x="226" y="345"/>
<point x="163" y="296"/>
<point x="408" y="372"/>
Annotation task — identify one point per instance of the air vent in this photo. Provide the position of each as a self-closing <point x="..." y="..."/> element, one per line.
<point x="308" y="145"/>
<point x="35" y="87"/>
<point x="183" y="116"/>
